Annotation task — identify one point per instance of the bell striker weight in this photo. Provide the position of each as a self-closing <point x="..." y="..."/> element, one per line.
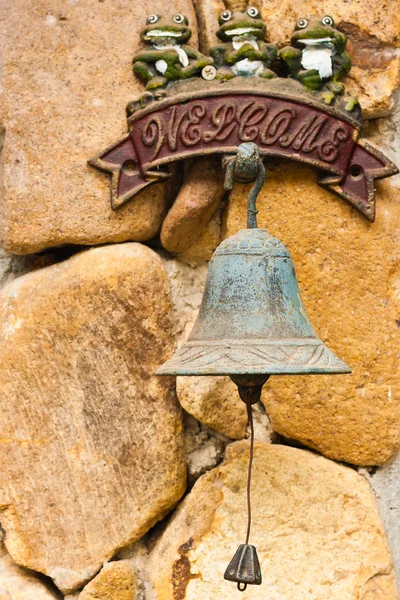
<point x="252" y="324"/>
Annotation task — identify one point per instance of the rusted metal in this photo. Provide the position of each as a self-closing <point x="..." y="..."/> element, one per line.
<point x="245" y="167"/>
<point x="279" y="115"/>
<point x="244" y="568"/>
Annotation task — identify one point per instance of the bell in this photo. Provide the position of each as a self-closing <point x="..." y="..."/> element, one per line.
<point x="252" y="324"/>
<point x="252" y="320"/>
<point x="244" y="567"/>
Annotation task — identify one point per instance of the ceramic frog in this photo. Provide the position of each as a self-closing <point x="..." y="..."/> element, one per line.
<point x="166" y="57"/>
<point x="317" y="57"/>
<point x="243" y="52"/>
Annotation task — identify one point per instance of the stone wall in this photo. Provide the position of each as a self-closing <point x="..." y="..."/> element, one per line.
<point x="117" y="484"/>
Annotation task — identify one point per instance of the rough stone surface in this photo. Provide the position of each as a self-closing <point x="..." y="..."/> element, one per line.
<point x="348" y="271"/>
<point x="316" y="528"/>
<point x="91" y="448"/>
<point x="215" y="402"/>
<point x="373" y="40"/>
<point x="20" y="584"/>
<point x="12" y="266"/>
<point x="204" y="446"/>
<point x="116" y="581"/>
<point x="137" y="557"/>
<point x="186" y="286"/>
<point x="202" y="249"/>
<point x="386" y="485"/>
<point x="198" y="198"/>
<point x="67" y="79"/>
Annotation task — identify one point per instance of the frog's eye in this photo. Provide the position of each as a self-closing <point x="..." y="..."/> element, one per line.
<point x="179" y="19"/>
<point x="253" y="12"/>
<point x="302" y="24"/>
<point x="226" y="15"/>
<point x="152" y="19"/>
<point x="328" y="21"/>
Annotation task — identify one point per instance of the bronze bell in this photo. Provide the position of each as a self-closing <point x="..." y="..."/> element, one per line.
<point x="252" y="324"/>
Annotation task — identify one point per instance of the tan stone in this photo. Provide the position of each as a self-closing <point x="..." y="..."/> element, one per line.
<point x="198" y="198"/>
<point x="215" y="402"/>
<point x="20" y="584"/>
<point x="348" y="270"/>
<point x="202" y="249"/>
<point x="67" y="78"/>
<point x="91" y="442"/>
<point x="316" y="528"/>
<point x="372" y="28"/>
<point x="116" y="581"/>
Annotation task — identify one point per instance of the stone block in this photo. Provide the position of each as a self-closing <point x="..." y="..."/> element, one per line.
<point x="67" y="78"/>
<point x="91" y="441"/>
<point x="315" y="526"/>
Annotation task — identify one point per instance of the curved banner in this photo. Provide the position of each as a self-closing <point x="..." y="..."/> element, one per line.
<point x="218" y="121"/>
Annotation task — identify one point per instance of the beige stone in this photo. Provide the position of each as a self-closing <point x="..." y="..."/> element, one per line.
<point x="204" y="446"/>
<point x="198" y="198"/>
<point x="348" y="271"/>
<point x="116" y="581"/>
<point x="215" y="402"/>
<point x="68" y="76"/>
<point x="316" y="528"/>
<point x="20" y="584"/>
<point x="91" y="442"/>
<point x="372" y="28"/>
<point x="186" y="287"/>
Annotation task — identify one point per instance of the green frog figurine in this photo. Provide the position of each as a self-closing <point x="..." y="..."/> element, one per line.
<point x="244" y="51"/>
<point x="166" y="57"/>
<point x="317" y="58"/>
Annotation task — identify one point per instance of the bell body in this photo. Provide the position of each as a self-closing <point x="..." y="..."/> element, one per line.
<point x="252" y="319"/>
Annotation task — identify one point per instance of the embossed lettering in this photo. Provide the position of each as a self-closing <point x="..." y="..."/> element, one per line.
<point x="223" y="118"/>
<point x="329" y="150"/>
<point x="191" y="132"/>
<point x="289" y="129"/>
<point x="153" y="135"/>
<point x="173" y="126"/>
<point x="277" y="126"/>
<point x="249" y="116"/>
<point x="304" y="136"/>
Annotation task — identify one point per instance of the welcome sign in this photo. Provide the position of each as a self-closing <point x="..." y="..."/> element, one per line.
<point x="218" y="120"/>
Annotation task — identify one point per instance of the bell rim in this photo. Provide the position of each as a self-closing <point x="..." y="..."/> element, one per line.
<point x="313" y="358"/>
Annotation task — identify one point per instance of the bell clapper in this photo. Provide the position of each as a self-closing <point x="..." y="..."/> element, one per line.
<point x="244" y="568"/>
<point x="245" y="167"/>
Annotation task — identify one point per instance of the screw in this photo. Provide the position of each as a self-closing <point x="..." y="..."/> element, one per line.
<point x="209" y="73"/>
